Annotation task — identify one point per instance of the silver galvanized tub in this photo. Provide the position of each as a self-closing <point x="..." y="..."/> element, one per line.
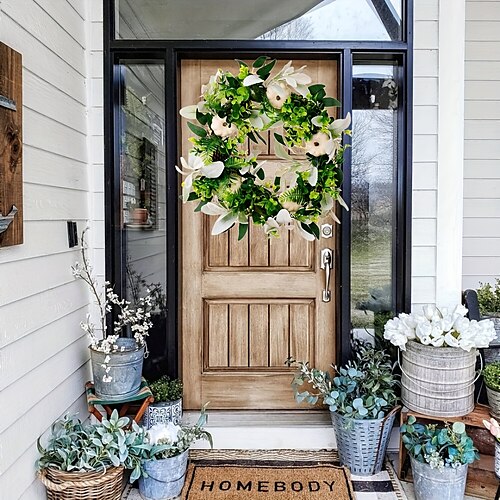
<point x="166" y="477"/>
<point x="497" y="459"/>
<point x="438" y="484"/>
<point x="492" y="354"/>
<point x="494" y="402"/>
<point x="438" y="381"/>
<point x="125" y="370"/>
<point x="362" y="444"/>
<point x="162" y="413"/>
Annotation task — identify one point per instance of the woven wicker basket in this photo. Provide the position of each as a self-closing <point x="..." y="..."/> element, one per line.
<point x="101" y="485"/>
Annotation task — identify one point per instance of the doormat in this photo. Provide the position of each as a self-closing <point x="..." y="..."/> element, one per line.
<point x="267" y="479"/>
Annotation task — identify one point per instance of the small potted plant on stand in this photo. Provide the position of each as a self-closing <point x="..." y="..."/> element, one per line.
<point x="164" y="458"/>
<point x="362" y="401"/>
<point x="116" y="360"/>
<point x="439" y="459"/>
<point x="167" y="406"/>
<point x="491" y="375"/>
<point x="439" y="351"/>
<point x="488" y="297"/>
<point x="494" y="428"/>
<point x="87" y="461"/>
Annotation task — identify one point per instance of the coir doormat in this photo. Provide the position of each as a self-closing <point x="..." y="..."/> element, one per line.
<point x="266" y="480"/>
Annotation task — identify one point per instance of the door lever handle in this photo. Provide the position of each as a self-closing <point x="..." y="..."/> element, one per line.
<point x="326" y="263"/>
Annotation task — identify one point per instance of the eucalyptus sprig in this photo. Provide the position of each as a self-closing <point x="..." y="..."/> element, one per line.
<point x="440" y="447"/>
<point x="362" y="389"/>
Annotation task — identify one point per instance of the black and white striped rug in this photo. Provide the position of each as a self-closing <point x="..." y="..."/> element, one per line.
<point x="382" y="486"/>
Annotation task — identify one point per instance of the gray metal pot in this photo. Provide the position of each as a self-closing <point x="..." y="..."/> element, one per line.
<point x="442" y="484"/>
<point x="494" y="402"/>
<point x="162" y="413"/>
<point x="492" y="354"/>
<point x="165" y="477"/>
<point x="362" y="443"/>
<point x="497" y="459"/>
<point x="125" y="370"/>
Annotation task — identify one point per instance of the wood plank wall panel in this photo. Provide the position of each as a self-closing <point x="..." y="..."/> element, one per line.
<point x="217" y="335"/>
<point x="238" y="335"/>
<point x="481" y="236"/>
<point x="279" y="334"/>
<point x="42" y="347"/>
<point x="259" y="334"/>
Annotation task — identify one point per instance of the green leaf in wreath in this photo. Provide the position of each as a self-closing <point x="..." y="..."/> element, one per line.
<point x="330" y="101"/>
<point x="200" y="205"/>
<point x="242" y="230"/>
<point x="260" y="61"/>
<point x="241" y="63"/>
<point x="314" y="89"/>
<point x="202" y="117"/>
<point x="261" y="174"/>
<point x="279" y="138"/>
<point x="193" y="196"/>
<point x="251" y="136"/>
<point x="265" y="71"/>
<point x="199" y="131"/>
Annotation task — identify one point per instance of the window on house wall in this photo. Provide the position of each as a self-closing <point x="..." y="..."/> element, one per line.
<point x="143" y="194"/>
<point x="375" y="117"/>
<point x="260" y="19"/>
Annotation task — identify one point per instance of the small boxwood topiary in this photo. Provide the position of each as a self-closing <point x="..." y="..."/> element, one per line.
<point x="491" y="376"/>
<point x="165" y="390"/>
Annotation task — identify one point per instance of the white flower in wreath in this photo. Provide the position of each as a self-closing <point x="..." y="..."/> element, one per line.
<point x="222" y="128"/>
<point x="283" y="219"/>
<point x="164" y="433"/>
<point x="226" y="218"/>
<point x="294" y="79"/>
<point x="195" y="167"/>
<point x="278" y="93"/>
<point x="320" y="144"/>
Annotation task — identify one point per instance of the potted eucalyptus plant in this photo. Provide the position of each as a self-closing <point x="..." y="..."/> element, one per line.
<point x="362" y="401"/>
<point x="164" y="457"/>
<point x="116" y="358"/>
<point x="491" y="375"/>
<point x="88" y="460"/>
<point x="439" y="458"/>
<point x="167" y="406"/>
<point x="488" y="297"/>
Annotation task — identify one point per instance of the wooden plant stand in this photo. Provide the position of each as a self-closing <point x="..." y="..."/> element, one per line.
<point x="134" y="406"/>
<point x="481" y="479"/>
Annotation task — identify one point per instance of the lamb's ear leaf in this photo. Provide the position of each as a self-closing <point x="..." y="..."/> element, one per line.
<point x="201" y="132"/>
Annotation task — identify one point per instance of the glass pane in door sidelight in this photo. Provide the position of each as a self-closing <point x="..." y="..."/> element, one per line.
<point x="373" y="197"/>
<point x="141" y="128"/>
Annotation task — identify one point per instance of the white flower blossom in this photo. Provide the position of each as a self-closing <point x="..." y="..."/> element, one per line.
<point x="278" y="93"/>
<point x="440" y="328"/>
<point x="223" y="128"/>
<point x="164" y="433"/>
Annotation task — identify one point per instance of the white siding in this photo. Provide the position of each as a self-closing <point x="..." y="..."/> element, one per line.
<point x="481" y="252"/>
<point x="43" y="353"/>
<point x="425" y="151"/>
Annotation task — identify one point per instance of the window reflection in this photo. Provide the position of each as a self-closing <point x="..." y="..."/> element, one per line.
<point x="374" y="162"/>
<point x="143" y="208"/>
<point x="260" y="19"/>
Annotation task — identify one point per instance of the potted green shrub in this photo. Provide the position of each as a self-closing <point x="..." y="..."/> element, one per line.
<point x="87" y="461"/>
<point x="167" y="406"/>
<point x="439" y="457"/>
<point x="488" y="297"/>
<point x="491" y="375"/>
<point x="164" y="457"/>
<point x="362" y="401"/>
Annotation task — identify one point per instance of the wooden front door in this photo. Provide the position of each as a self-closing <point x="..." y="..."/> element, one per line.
<point x="249" y="305"/>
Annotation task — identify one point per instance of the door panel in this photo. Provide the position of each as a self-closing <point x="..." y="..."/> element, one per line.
<point x="248" y="305"/>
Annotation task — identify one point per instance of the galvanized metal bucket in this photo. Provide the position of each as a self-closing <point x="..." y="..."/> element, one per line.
<point x="492" y="353"/>
<point x="362" y="444"/>
<point x="438" y="381"/>
<point x="162" y="413"/>
<point x="442" y="484"/>
<point x="497" y="459"/>
<point x="125" y="370"/>
<point x="165" y="477"/>
<point x="494" y="402"/>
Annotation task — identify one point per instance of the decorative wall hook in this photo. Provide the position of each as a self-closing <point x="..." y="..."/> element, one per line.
<point x="5" y="220"/>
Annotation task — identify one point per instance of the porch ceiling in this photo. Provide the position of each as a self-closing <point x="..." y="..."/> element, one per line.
<point x="208" y="18"/>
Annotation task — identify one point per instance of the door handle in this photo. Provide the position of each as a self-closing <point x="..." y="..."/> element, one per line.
<point x="326" y="263"/>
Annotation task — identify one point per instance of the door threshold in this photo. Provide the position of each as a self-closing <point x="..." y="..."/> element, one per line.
<point x="271" y="430"/>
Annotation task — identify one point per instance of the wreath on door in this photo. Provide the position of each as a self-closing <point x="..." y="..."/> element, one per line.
<point x="229" y="183"/>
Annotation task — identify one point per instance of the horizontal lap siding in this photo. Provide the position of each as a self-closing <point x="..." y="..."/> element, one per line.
<point x="43" y="354"/>
<point x="425" y="152"/>
<point x="481" y="243"/>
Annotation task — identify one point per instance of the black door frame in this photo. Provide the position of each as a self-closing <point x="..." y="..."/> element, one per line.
<point x="171" y="52"/>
